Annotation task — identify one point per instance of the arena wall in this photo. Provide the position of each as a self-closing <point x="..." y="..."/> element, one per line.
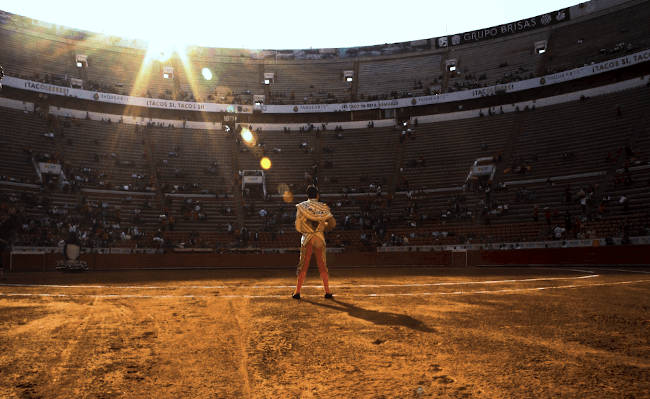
<point x="608" y="255"/>
<point x="47" y="262"/>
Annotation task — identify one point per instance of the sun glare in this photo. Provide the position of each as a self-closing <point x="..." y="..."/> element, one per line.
<point x="158" y="51"/>
<point x="163" y="49"/>
<point x="168" y="51"/>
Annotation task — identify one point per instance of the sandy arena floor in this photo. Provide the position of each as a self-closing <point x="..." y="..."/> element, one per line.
<point x="389" y="333"/>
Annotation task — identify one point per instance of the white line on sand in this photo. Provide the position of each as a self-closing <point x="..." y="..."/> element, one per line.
<point x="482" y="292"/>
<point x="210" y="287"/>
<point x="509" y="290"/>
<point x="628" y="271"/>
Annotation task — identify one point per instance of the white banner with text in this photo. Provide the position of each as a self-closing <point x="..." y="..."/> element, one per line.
<point x="571" y="74"/>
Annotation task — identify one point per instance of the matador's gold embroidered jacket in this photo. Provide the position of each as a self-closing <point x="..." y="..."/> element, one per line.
<point x="312" y="219"/>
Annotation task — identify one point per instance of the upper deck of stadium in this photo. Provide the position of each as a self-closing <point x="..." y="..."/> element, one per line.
<point x="571" y="37"/>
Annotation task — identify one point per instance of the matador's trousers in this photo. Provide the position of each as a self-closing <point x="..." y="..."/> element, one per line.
<point x="317" y="247"/>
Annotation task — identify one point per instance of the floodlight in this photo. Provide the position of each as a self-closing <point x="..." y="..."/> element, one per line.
<point x="269" y="77"/>
<point x="168" y="72"/>
<point x="81" y="60"/>
<point x="451" y="65"/>
<point x="540" y="47"/>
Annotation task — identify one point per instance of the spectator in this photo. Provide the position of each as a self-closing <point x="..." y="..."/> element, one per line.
<point x="583" y="205"/>
<point x="623" y="200"/>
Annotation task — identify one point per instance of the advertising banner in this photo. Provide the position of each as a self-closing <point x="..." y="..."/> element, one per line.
<point x="253" y="179"/>
<point x="511" y="28"/>
<point x="49" y="168"/>
<point x="46" y="88"/>
<point x="571" y="74"/>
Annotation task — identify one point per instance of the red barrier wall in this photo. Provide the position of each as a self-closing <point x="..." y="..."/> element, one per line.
<point x="29" y="263"/>
<point x="614" y="255"/>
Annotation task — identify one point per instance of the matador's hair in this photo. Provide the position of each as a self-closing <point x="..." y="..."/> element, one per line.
<point x="312" y="191"/>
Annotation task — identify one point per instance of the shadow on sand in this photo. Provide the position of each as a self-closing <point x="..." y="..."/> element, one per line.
<point x="374" y="316"/>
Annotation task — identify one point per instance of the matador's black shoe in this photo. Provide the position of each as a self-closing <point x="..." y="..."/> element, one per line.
<point x="329" y="296"/>
<point x="295" y="296"/>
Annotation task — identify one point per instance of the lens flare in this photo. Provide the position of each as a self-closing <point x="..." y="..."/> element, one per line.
<point x="285" y="191"/>
<point x="207" y="73"/>
<point x="282" y="187"/>
<point x="265" y="163"/>
<point x="287" y="197"/>
<point x="246" y="135"/>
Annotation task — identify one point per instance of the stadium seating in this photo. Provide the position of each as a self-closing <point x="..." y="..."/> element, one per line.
<point x="606" y="36"/>
<point x="536" y="139"/>
<point x="23" y="136"/>
<point x="185" y="157"/>
<point x="90" y="149"/>
<point x="159" y="185"/>
<point x="116" y="67"/>
<point x="405" y="76"/>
